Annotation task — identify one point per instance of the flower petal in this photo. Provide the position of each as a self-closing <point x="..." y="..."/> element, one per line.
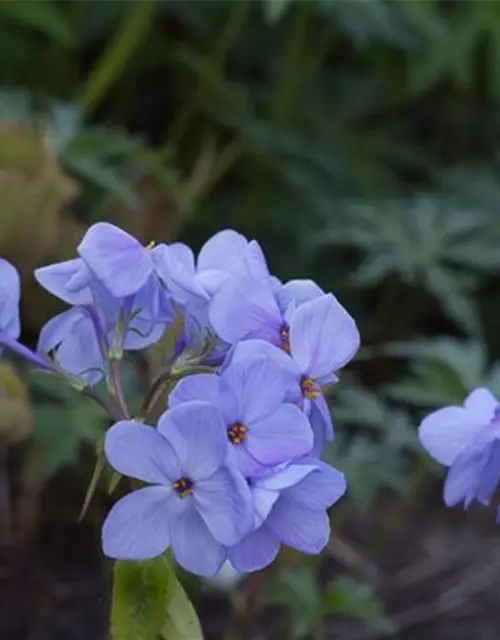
<point x="283" y="435"/>
<point x="256" y="261"/>
<point x="481" y="405"/>
<point x="447" y="432"/>
<point x="319" y="490"/>
<point x="9" y="299"/>
<point x="245" y="308"/>
<point x="258" y="386"/>
<point x="194" y="546"/>
<point x="290" y="371"/>
<point x="58" y="329"/>
<point x="197" y="434"/>
<point x="140" y="451"/>
<point x="286" y="476"/>
<point x="175" y="266"/>
<point x="117" y="259"/>
<point x="56" y="277"/>
<point x="199" y="386"/>
<point x="137" y="527"/>
<point x="225" y="504"/>
<point x="80" y="353"/>
<point x="321" y="423"/>
<point x="225" y="251"/>
<point x="256" y="551"/>
<point x="300" y="528"/>
<point x="323" y="336"/>
<point x="297" y="292"/>
<point x="464" y="475"/>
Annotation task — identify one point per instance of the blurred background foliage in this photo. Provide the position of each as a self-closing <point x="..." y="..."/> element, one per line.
<point x="359" y="142"/>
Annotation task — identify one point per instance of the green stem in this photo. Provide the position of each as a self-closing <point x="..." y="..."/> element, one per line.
<point x="161" y="386"/>
<point x="116" y="389"/>
<point x="206" y="84"/>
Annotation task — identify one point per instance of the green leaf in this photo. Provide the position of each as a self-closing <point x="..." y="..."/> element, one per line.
<point x="114" y="60"/>
<point x="45" y="16"/>
<point x="274" y="10"/>
<point x="350" y="597"/>
<point x="181" y="622"/>
<point x="139" y="593"/>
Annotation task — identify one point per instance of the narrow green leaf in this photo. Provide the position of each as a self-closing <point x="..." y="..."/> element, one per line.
<point x="119" y="52"/>
<point x="45" y="16"/>
<point x="98" y="469"/>
<point x="181" y="622"/>
<point x="139" y="593"/>
<point x="113" y="483"/>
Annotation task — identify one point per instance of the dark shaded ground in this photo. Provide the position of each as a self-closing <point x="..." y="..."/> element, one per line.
<point x="439" y="576"/>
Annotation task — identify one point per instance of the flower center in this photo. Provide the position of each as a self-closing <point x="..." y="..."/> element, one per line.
<point x="237" y="433"/>
<point x="310" y="388"/>
<point x="285" y="337"/>
<point x="183" y="486"/>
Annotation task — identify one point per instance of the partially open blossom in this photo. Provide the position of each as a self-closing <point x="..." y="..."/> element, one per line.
<point x="290" y="505"/>
<point x="467" y="440"/>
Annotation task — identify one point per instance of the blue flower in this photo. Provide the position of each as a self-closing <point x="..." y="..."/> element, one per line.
<point x="261" y="428"/>
<point x="119" y="261"/>
<point x="321" y="338"/>
<point x="226" y="255"/>
<point x="467" y="440"/>
<point x="82" y="337"/>
<point x="197" y="505"/>
<point x="289" y="508"/>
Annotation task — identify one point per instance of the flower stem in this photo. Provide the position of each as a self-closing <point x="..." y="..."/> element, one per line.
<point x="115" y="387"/>
<point x="162" y="385"/>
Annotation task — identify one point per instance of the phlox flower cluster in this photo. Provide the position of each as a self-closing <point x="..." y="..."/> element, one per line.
<point x="232" y="469"/>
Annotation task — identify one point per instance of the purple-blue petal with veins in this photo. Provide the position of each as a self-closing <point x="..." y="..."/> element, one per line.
<point x="116" y="258"/>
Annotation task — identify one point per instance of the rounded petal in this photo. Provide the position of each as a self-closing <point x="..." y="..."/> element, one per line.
<point x="225" y="504"/>
<point x="140" y="451"/>
<point x="241" y="458"/>
<point x="57" y="329"/>
<point x="194" y="546"/>
<point x="197" y="434"/>
<point x="286" y="476"/>
<point x="447" y="432"/>
<point x="256" y="261"/>
<point x="263" y="502"/>
<point x="56" y="277"/>
<point x="481" y="405"/>
<point x="137" y="527"/>
<point x="80" y="353"/>
<point x="117" y="259"/>
<point x="256" y="551"/>
<point x="300" y="528"/>
<point x="323" y="336"/>
<point x="225" y="251"/>
<point x="259" y="348"/>
<point x="297" y="292"/>
<point x="245" y="308"/>
<point x="283" y="435"/>
<point x="9" y="299"/>
<point x="321" y="423"/>
<point x="176" y="268"/>
<point x="319" y="490"/>
<point x="199" y="386"/>
<point x="257" y="385"/>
